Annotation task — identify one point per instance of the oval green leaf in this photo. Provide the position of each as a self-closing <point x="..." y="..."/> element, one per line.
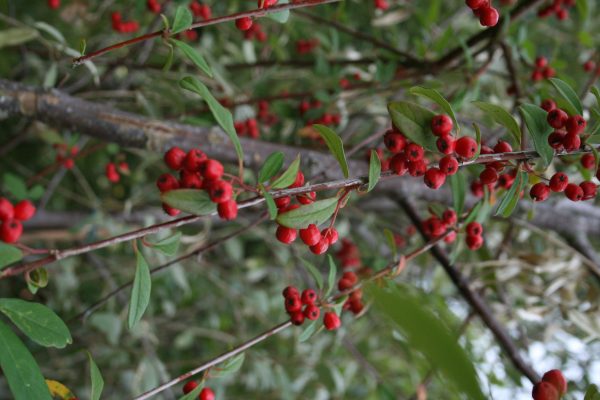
<point x="436" y="97"/>
<point x="97" y="380"/>
<point x="314" y="272"/>
<point x="9" y="254"/>
<point x="37" y="321"/>
<point x="332" y="275"/>
<point x="194" y="56"/>
<point x="335" y="145"/>
<point x="271" y="167"/>
<point x="168" y="246"/>
<point x="183" y="19"/>
<point x="511" y="198"/>
<point x="539" y="130"/>
<point x="193" y="201"/>
<point x="314" y="213"/>
<point x="573" y="105"/>
<point x="374" y="170"/>
<point x="415" y="123"/>
<point x="501" y="116"/>
<point x="289" y="176"/>
<point x="140" y="294"/>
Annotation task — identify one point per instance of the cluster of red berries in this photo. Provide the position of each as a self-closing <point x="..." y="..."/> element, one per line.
<point x="113" y="171"/>
<point x="354" y="302"/>
<point x="244" y="23"/>
<point x="325" y="119"/>
<point x="200" y="10"/>
<point x="567" y="128"/>
<point x="64" y="155"/>
<point x="153" y="6"/>
<point x="205" y="394"/>
<point x="488" y="15"/>
<point x="197" y="171"/>
<point x="349" y="258"/>
<point x="542" y="70"/>
<point x="435" y="226"/>
<point x="560" y="183"/>
<point x="381" y="4"/>
<point x="53" y="4"/>
<point x="349" y="255"/>
<point x="121" y="26"/>
<point x="11" y="217"/>
<point x="264" y="113"/>
<point x="552" y="386"/>
<point x="306" y="46"/>
<point x="345" y="83"/>
<point x="560" y="8"/>
<point x="248" y="127"/>
<point x="492" y="175"/>
<point x="294" y="301"/>
<point x="255" y="32"/>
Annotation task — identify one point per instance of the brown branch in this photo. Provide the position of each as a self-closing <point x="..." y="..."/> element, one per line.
<point x="474" y="299"/>
<point x="212" y="21"/>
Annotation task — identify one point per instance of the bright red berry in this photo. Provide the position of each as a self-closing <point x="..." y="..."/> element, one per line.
<point x="589" y="190"/>
<point x="309" y="296"/>
<point x="53" y="4"/>
<point x="544" y="391"/>
<point x="312" y="312"/>
<point x="571" y="142"/>
<point x="548" y="105"/>
<point x="488" y="175"/>
<point x="293" y="304"/>
<point x="414" y="152"/>
<point x="10" y="231"/>
<point x="321" y="247"/>
<point x="310" y="235"/>
<point x="193" y="160"/>
<point x="502" y="147"/>
<point x="190" y="180"/>
<point x="228" y="210"/>
<point x="174" y="158"/>
<point x="588" y="161"/>
<point x="290" y="291"/>
<point x="441" y="125"/>
<point x="211" y="169"/>
<point x="331" y="234"/>
<point x="556" y="379"/>
<point x="434" y="178"/>
<point x="307" y="198"/>
<point x="24" y="210"/>
<point x="505" y="181"/>
<point x="244" y="23"/>
<point x="489" y="16"/>
<point x="574" y="192"/>
<point x="167" y="182"/>
<point x="331" y="321"/>
<point x="448" y="165"/>
<point x="399" y="164"/>
<point x="7" y="211"/>
<point x="474" y="229"/>
<point x="559" y="182"/>
<point x="466" y="147"/>
<point x="475" y="4"/>
<point x="394" y="142"/>
<point x="449" y="217"/>
<point x="539" y="192"/>
<point x="417" y="168"/>
<point x="170" y="210"/>
<point x="446" y="144"/>
<point x="299" y="180"/>
<point x="541" y="62"/>
<point x="220" y="192"/>
<point x="474" y="242"/>
<point x="207" y="394"/>
<point x="555" y="140"/>
<point x="286" y="235"/>
<point x="189" y="386"/>
<point x="575" y="124"/>
<point x="111" y="173"/>
<point x="557" y="118"/>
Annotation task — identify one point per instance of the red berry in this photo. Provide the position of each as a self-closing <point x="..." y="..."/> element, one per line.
<point x="548" y="72"/>
<point x="474" y="242"/>
<point x="555" y="140"/>
<point x="446" y="144"/>
<point x="193" y="160"/>
<point x="489" y="16"/>
<point x="559" y="182"/>
<point x="466" y="147"/>
<point x="321" y="247"/>
<point x="477" y="188"/>
<point x="244" y="23"/>
<point x="589" y="65"/>
<point x="10" y="231"/>
<point x="502" y="147"/>
<point x="448" y="165"/>
<point x="544" y="391"/>
<point x="190" y="180"/>
<point x="283" y="202"/>
<point x="399" y="164"/>
<point x="7" y="211"/>
<point x="228" y="210"/>
<point x="331" y="321"/>
<point x="211" y="169"/>
<point x="53" y="4"/>
<point x="174" y="158"/>
<point x="394" y="142"/>
<point x="548" y="105"/>
<point x="170" y="210"/>
<point x="24" y="210"/>
<point x="111" y="173"/>
<point x="331" y="234"/>
<point x="434" y="178"/>
<point x="293" y="304"/>
<point x="189" y="386"/>
<point x="451" y="237"/>
<point x="475" y="4"/>
<point x="307" y="198"/>
<point x="488" y="175"/>
<point x="312" y="312"/>
<point x="153" y="6"/>
<point x="589" y="190"/>
<point x="575" y="124"/>
<point x="441" y="125"/>
<point x="588" y="161"/>
<point x="220" y="192"/>
<point x="309" y="296"/>
<point x="571" y="142"/>
<point x="297" y="318"/>
<point x="167" y="182"/>
<point x="556" y="379"/>
<point x="539" y="192"/>
<point x="207" y="394"/>
<point x="557" y="118"/>
<point x="434" y="227"/>
<point x="290" y="291"/>
<point x="541" y="62"/>
<point x="474" y="229"/>
<point x="505" y="181"/>
<point x="414" y="152"/>
<point x="417" y="168"/>
<point x="299" y="180"/>
<point x="574" y="192"/>
<point x="311" y="235"/>
<point x="286" y="235"/>
<point x="449" y="217"/>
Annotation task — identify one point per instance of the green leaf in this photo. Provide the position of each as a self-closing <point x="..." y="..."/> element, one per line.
<point x="472" y="215"/>
<point x="501" y="116"/>
<point x="336" y="146"/>
<point x="477" y="139"/>
<point x="374" y="170"/>
<point x="309" y="331"/>
<point x="425" y="333"/>
<point x="511" y="198"/>
<point x="9" y="254"/>
<point x="140" y="294"/>
<point x="170" y="55"/>
<point x="458" y="185"/>
<point x="82" y="46"/>
<point x="414" y="122"/>
<point x="535" y="120"/>
<point x="592" y="393"/>
<point x="96" y="378"/>
<point x="37" y="279"/>
<point x="596" y="94"/>
<point x="24" y="377"/>
<point x="194" y="394"/>
<point x="228" y="367"/>
<point x="271" y="167"/>
<point x="183" y="19"/>
<point x="596" y="157"/>
<point x="332" y="275"/>
<point x="193" y="55"/>
<point x="282" y="16"/>
<point x="289" y="176"/>
<point x="193" y="201"/>
<point x="389" y="236"/>
<point x="314" y="213"/>
<point x="15" y="185"/>
<point x="316" y="274"/>
<point x="434" y="95"/>
<point x="221" y="114"/>
<point x="17" y="36"/>
<point x="168" y="246"/>
<point x="271" y="206"/>
<point x="37" y="321"/>
<point x="573" y="105"/>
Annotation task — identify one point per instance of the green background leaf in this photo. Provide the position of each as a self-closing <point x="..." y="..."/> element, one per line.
<point x="435" y="96"/>
<point x="374" y="170"/>
<point x="194" y="55"/>
<point x="414" y="122"/>
<point x="271" y="167"/>
<point x="335" y="145"/>
<point x="289" y="176"/>
<point x="573" y="104"/>
<point x="9" y="254"/>
<point x="140" y="294"/>
<point x="96" y="378"/>
<point x="501" y="116"/>
<point x="183" y="19"/>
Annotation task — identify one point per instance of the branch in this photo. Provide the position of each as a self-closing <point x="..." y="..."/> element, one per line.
<point x="474" y="300"/>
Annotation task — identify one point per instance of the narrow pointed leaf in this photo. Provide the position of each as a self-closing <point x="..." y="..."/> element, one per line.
<point x="436" y="96"/>
<point x="335" y="145"/>
<point x="194" y="55"/>
<point x="573" y="104"/>
<point x="374" y="170"/>
<point x="96" y="378"/>
<point x="183" y="19"/>
<point x="314" y="272"/>
<point x="193" y="201"/>
<point x="289" y="176"/>
<point x="140" y="294"/>
<point x="332" y="275"/>
<point x="271" y="167"/>
<point x="501" y="116"/>
<point x="539" y="130"/>
<point x="415" y="123"/>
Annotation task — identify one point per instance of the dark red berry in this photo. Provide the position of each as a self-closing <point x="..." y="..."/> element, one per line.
<point x="474" y="229"/>
<point x="544" y="391"/>
<point x="505" y="181"/>
<point x="559" y="182"/>
<point x="299" y="180"/>
<point x="307" y="198"/>
<point x="189" y="386"/>
<point x="293" y="304"/>
<point x="211" y="169"/>
<point x="190" y="180"/>
<point x="321" y="247"/>
<point x="174" y="158"/>
<point x="7" y="211"/>
<point x="10" y="231"/>
<point x="312" y="312"/>
<point x="297" y="318"/>
<point x="414" y="152"/>
<point x="466" y="147"/>
<point x="588" y="161"/>
<point x="488" y="175"/>
<point x="286" y="235"/>
<point x="310" y="235"/>
<point x="309" y="296"/>
<point x="244" y="23"/>
<point x="399" y="164"/>
<point x="489" y="16"/>
<point x="167" y="182"/>
<point x="449" y="217"/>
<point x="228" y="210"/>
<point x="556" y="379"/>
<point x="331" y="234"/>
<point x="290" y="291"/>
<point x="448" y="165"/>
<point x="417" y="168"/>
<point x="434" y="178"/>
<point x="589" y="190"/>
<point x="474" y="242"/>
<point x="539" y="192"/>
<point x="571" y="142"/>
<point x="555" y="140"/>
<point x="441" y="125"/>
<point x="575" y="124"/>
<point x="502" y="147"/>
<point x="557" y="118"/>
<point x="446" y="144"/>
<point x="193" y="160"/>
<point x="394" y="142"/>
<point x="548" y="105"/>
<point x="220" y="192"/>
<point x="331" y="321"/>
<point x="170" y="210"/>
<point x="283" y="202"/>
<point x="574" y="192"/>
<point x="541" y="62"/>
<point x="475" y="4"/>
<point x="24" y="210"/>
